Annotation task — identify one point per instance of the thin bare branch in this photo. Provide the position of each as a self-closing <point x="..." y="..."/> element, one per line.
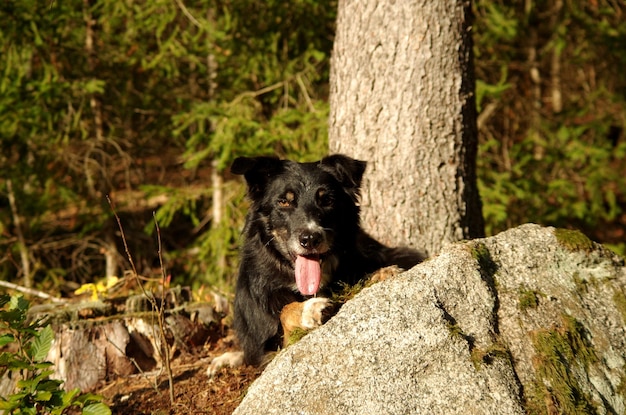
<point x="128" y="255"/>
<point x="160" y="310"/>
<point x="31" y="291"/>
<point x="186" y="12"/>
<point x="161" y="314"/>
<point x="307" y="98"/>
<point x="28" y="281"/>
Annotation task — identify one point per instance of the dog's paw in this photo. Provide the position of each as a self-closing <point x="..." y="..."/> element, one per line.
<point x="312" y="312"/>
<point x="230" y="359"/>
<point x="384" y="274"/>
<point x="306" y="315"/>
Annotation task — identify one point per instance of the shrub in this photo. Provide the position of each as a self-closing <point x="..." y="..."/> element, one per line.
<point x="29" y="343"/>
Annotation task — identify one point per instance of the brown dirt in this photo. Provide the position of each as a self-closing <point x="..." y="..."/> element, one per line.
<point x="194" y="392"/>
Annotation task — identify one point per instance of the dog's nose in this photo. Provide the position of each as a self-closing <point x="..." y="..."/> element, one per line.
<point x="310" y="239"/>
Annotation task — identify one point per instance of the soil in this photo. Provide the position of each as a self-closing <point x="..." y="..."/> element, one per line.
<point x="193" y="391"/>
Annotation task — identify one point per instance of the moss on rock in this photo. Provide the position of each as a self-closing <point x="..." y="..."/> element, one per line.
<point x="620" y="302"/>
<point x="527" y="299"/>
<point x="573" y="240"/>
<point x="560" y="352"/>
<point x="296" y="335"/>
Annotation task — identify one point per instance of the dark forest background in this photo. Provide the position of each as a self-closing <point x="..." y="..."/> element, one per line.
<point x="148" y="101"/>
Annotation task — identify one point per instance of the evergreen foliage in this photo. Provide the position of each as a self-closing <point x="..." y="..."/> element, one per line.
<point x="143" y="101"/>
<point x="148" y="101"/>
<point x="553" y="115"/>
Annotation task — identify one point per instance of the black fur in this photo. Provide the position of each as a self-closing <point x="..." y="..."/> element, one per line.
<point x="300" y="209"/>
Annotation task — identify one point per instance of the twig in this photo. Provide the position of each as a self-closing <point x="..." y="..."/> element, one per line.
<point x="305" y="93"/>
<point x="130" y="258"/>
<point x="188" y="14"/>
<point x="123" y="352"/>
<point x="31" y="291"/>
<point x="280" y="84"/>
<point x="164" y="352"/>
<point x="161" y="313"/>
<point x="258" y="92"/>
<point x="20" y="236"/>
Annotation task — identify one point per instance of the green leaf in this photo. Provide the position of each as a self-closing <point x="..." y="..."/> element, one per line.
<point x="86" y="398"/>
<point x="50" y="385"/>
<point x="96" y="409"/>
<point x="33" y="384"/>
<point x="41" y="365"/>
<point x="42" y="344"/>
<point x="6" y="339"/>
<point x="13" y="362"/>
<point x="43" y="396"/>
<point x="6" y="358"/>
<point x="19" y="303"/>
<point x="6" y="405"/>
<point x="68" y="397"/>
<point x="13" y="317"/>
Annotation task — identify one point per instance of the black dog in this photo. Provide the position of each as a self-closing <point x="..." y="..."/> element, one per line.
<point x="302" y="236"/>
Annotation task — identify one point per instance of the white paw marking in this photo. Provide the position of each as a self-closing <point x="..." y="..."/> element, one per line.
<point x="231" y="359"/>
<point x="312" y="312"/>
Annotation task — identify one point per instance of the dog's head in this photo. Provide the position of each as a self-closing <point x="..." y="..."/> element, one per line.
<point x="304" y="210"/>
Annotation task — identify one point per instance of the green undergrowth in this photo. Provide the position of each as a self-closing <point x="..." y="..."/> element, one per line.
<point x="560" y="352"/>
<point x="24" y="346"/>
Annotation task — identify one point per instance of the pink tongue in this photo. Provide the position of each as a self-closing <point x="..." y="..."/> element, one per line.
<point x="308" y="274"/>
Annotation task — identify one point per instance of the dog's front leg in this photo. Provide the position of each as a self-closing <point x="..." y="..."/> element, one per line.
<point x="305" y="315"/>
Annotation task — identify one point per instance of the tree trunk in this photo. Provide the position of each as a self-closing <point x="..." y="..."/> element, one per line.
<point x="402" y="98"/>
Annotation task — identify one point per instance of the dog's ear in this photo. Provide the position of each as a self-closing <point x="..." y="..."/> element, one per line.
<point x="257" y="171"/>
<point x="347" y="171"/>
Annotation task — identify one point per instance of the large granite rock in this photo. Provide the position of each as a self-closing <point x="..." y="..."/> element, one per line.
<point x="529" y="321"/>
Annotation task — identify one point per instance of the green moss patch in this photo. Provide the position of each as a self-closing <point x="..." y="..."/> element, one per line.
<point x="621" y="388"/>
<point x="527" y="299"/>
<point x="296" y="335"/>
<point x="619" y="298"/>
<point x="573" y="240"/>
<point x="455" y="330"/>
<point x="559" y="352"/>
<point x="347" y="291"/>
<point x="481" y="254"/>
<point x="582" y="285"/>
<point x="496" y="350"/>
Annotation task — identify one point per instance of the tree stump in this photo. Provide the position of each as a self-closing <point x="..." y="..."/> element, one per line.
<point x="99" y="341"/>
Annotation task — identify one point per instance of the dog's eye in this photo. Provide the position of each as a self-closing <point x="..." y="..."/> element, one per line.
<point x="288" y="200"/>
<point x="324" y="199"/>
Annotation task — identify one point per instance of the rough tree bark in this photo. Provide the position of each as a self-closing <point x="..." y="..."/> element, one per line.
<point x="402" y="98"/>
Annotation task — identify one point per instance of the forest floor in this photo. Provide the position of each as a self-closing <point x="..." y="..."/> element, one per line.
<point x="193" y="392"/>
